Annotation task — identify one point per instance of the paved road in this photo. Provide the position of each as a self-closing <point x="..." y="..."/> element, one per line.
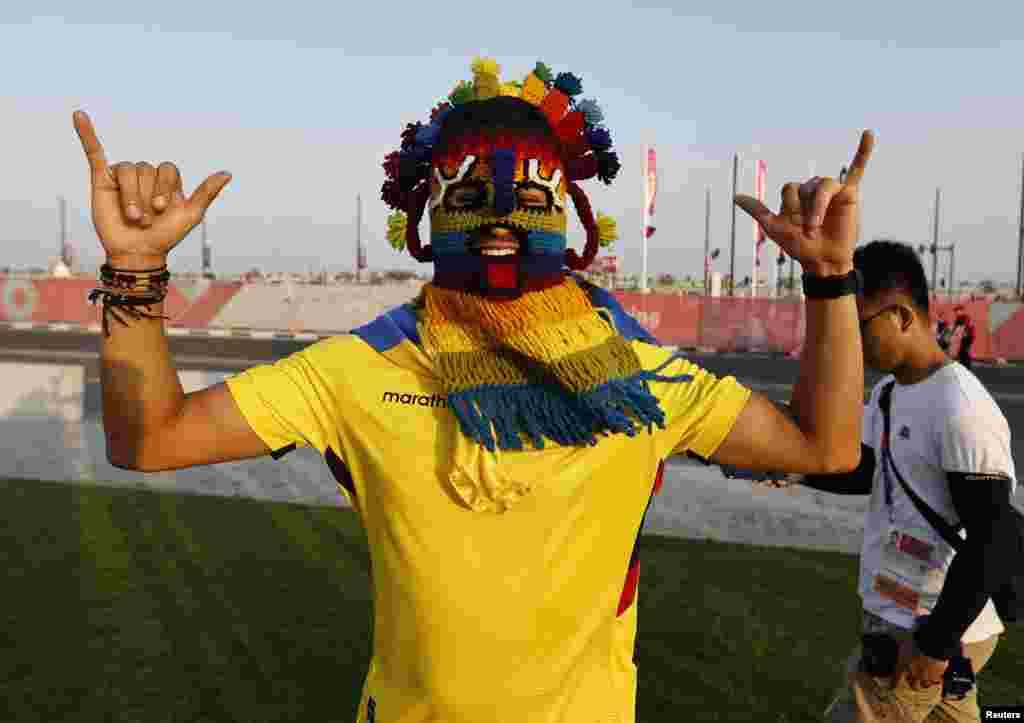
<point x="772" y="375"/>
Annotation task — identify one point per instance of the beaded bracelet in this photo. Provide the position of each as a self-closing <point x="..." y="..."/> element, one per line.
<point x="130" y="291"/>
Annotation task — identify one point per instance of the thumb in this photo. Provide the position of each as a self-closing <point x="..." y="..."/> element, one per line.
<point x="202" y="198"/>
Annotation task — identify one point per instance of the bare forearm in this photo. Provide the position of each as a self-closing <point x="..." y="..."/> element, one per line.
<point x="797" y="399"/>
<point x="829" y="396"/>
<point x="141" y="388"/>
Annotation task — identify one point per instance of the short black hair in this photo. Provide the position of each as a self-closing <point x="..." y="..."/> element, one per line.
<point x="889" y="265"/>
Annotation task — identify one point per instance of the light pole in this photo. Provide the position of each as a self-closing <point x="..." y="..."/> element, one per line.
<point x="1020" y="237"/>
<point x="732" y="237"/>
<point x="935" y="244"/>
<point x="935" y="250"/>
<point x="952" y="269"/>
<point x="707" y="240"/>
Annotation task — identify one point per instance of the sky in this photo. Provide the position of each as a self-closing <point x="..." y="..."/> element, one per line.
<point x="301" y="101"/>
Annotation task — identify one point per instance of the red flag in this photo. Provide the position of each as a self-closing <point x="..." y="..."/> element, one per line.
<point x="759" y="237"/>
<point x="651" y="191"/>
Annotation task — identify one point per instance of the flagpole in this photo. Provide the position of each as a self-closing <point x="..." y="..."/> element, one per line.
<point x="359" y="236"/>
<point x="732" y="234"/>
<point x="771" y="257"/>
<point x="643" y="224"/>
<point x="757" y="195"/>
<point x="707" y="239"/>
<point x="760" y="180"/>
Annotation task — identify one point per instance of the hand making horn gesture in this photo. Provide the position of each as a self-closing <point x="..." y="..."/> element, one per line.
<point x="819" y="222"/>
<point x="139" y="210"/>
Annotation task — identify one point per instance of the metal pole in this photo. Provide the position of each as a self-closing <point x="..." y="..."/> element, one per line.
<point x="707" y="240"/>
<point x="732" y="237"/>
<point x="935" y="247"/>
<point x="206" y="261"/>
<point x="643" y="224"/>
<point x="63" y="222"/>
<point x="1020" y="236"/>
<point x="62" y="210"/>
<point x="359" y="235"/>
<point x="952" y="269"/>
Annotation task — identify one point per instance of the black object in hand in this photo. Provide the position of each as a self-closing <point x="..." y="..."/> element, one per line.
<point x="958" y="680"/>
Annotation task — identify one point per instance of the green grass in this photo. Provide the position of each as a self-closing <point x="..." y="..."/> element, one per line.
<point x="129" y="605"/>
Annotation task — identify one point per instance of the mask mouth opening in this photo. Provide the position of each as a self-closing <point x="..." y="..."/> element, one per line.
<point x="497" y="241"/>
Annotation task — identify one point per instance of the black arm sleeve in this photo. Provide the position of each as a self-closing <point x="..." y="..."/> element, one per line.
<point x="857" y="482"/>
<point x="983" y="563"/>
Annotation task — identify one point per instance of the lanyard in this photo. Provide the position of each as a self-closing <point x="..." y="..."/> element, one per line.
<point x="887" y="482"/>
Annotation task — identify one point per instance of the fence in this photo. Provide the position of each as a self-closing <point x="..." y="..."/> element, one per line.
<point x="733" y="324"/>
<point x="721" y="324"/>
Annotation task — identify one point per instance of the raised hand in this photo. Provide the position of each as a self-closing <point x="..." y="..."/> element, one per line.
<point x="819" y="221"/>
<point x="139" y="211"/>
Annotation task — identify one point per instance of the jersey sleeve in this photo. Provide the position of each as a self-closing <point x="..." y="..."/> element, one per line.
<point x="871" y="429"/>
<point x="295" y="401"/>
<point x="975" y="441"/>
<point x="700" y="407"/>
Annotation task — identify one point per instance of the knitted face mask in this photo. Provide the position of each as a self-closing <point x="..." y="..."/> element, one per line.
<point x="506" y="180"/>
<point x="501" y="156"/>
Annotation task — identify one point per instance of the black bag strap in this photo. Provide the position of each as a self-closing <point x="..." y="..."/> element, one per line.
<point x="948" y="532"/>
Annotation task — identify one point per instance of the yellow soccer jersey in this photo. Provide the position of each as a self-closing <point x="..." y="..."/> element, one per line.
<point x="518" y="616"/>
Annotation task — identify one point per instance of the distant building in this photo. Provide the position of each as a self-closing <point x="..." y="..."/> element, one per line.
<point x="59" y="269"/>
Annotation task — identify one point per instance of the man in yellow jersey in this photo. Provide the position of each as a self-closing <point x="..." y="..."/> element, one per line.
<point x="500" y="436"/>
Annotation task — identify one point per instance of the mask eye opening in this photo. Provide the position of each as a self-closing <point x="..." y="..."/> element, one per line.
<point x="478" y="200"/>
<point x="534" y="207"/>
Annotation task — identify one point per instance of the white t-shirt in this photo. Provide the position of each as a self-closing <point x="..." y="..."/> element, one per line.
<point x="945" y="423"/>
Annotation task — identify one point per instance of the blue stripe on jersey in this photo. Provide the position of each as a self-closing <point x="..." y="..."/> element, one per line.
<point x="399" y="324"/>
<point x="390" y="329"/>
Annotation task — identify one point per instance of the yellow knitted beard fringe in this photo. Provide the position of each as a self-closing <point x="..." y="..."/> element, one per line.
<point x="552" y="335"/>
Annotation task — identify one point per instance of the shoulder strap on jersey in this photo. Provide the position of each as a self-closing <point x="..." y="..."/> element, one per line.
<point x="948" y="532"/>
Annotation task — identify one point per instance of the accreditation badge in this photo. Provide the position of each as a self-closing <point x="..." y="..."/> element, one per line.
<point x="911" y="575"/>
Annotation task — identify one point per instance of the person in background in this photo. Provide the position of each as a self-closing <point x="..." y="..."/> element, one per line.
<point x="925" y="606"/>
<point x="943" y="333"/>
<point x="965" y="325"/>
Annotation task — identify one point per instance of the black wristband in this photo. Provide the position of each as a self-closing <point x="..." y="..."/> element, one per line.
<point x="831" y="287"/>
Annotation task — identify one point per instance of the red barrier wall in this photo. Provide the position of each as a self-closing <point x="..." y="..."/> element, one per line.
<point x="777" y="325"/>
<point x="1008" y="339"/>
<point x="722" y="324"/>
<point x="65" y="300"/>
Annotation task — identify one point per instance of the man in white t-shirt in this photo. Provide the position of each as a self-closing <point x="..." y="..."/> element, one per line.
<point x="925" y="605"/>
